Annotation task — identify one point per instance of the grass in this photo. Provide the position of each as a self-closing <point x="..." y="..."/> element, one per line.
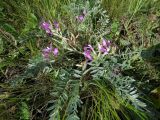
<point x="138" y="18"/>
<point x="29" y="86"/>
<point x="125" y="8"/>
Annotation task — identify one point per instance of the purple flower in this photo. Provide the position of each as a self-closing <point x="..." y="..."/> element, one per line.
<point x="104" y="47"/>
<point x="87" y="52"/>
<point x="49" y="51"/>
<point x="46" y="26"/>
<point x="80" y="18"/>
<point x="56" y="25"/>
<point x="45" y="55"/>
<point x="87" y="55"/>
<point x="55" y="51"/>
<point x="106" y="43"/>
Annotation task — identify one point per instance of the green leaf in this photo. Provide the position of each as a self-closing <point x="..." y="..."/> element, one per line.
<point x="124" y="42"/>
<point x="31" y="23"/>
<point x="25" y="114"/>
<point x="9" y="28"/>
<point x="1" y="46"/>
<point x="155" y="96"/>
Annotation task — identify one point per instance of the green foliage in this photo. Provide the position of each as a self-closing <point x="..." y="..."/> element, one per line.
<point x="95" y="21"/>
<point x="110" y="71"/>
<point x="1" y="46"/>
<point x="73" y="104"/>
<point x="152" y="54"/>
<point x="119" y="8"/>
<point x="65" y="97"/>
<point x="35" y="66"/>
<point x="106" y="103"/>
<point x="25" y="13"/>
<point x="156" y="100"/>
<point x="107" y="78"/>
<point x="25" y="114"/>
<point x="31" y="23"/>
<point x="111" y="87"/>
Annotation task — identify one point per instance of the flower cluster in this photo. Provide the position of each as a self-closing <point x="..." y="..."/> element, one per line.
<point x="48" y="27"/>
<point x="47" y="52"/>
<point x="103" y="48"/>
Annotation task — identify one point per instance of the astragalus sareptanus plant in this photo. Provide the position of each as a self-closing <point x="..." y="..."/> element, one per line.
<point x="79" y="60"/>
